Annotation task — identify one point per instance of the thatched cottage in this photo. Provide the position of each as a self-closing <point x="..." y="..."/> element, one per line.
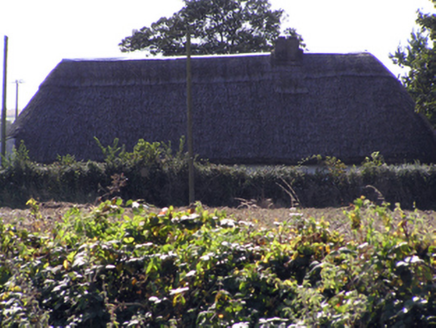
<point x="262" y="108"/>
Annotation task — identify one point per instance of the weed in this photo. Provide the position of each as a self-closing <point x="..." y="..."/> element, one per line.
<point x="199" y="268"/>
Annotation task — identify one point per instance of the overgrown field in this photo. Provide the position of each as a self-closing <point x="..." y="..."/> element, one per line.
<point x="130" y="265"/>
<point x="364" y="262"/>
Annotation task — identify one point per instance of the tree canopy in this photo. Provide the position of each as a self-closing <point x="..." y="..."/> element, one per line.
<point x="216" y="27"/>
<point x="419" y="56"/>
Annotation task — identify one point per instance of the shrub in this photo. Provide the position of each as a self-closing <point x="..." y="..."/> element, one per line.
<point x="195" y="268"/>
<point x="157" y="174"/>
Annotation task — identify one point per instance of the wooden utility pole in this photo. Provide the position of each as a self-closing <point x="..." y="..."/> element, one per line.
<point x="4" y="112"/>
<point x="189" y="105"/>
<point x="17" y="82"/>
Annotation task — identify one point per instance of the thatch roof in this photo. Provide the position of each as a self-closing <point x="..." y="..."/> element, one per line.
<point x="247" y="108"/>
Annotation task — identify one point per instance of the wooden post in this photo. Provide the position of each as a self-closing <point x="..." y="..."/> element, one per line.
<point x="16" y="98"/>
<point x="189" y="105"/>
<point x="17" y="82"/>
<point x="4" y="111"/>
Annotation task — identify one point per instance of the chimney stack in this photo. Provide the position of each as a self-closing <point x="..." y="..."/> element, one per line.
<point x="287" y="51"/>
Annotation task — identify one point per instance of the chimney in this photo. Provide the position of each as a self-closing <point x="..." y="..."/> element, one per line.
<point x="287" y="51"/>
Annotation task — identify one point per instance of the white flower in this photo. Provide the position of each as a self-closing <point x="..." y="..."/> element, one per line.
<point x="135" y="205"/>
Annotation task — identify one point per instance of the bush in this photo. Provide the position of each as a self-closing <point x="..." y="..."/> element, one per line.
<point x="153" y="172"/>
<point x="195" y="268"/>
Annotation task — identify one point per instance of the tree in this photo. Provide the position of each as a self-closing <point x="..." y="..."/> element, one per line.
<point x="216" y="26"/>
<point x="419" y="56"/>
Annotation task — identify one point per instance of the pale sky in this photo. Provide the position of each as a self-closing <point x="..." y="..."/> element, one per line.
<point x="43" y="32"/>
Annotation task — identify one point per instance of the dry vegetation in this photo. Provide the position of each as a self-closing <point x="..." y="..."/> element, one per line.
<point x="263" y="217"/>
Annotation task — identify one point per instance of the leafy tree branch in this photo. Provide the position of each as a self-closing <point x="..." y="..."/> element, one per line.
<point x="419" y="56"/>
<point x="216" y="26"/>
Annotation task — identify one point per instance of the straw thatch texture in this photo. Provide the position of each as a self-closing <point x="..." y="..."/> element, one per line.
<point x="247" y="109"/>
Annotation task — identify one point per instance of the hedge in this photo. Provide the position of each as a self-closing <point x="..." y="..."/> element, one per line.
<point x="153" y="173"/>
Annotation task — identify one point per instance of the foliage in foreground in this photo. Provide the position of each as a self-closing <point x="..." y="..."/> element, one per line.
<point x="194" y="268"/>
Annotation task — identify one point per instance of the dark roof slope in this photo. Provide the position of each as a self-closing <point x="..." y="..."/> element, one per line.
<point x="247" y="109"/>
